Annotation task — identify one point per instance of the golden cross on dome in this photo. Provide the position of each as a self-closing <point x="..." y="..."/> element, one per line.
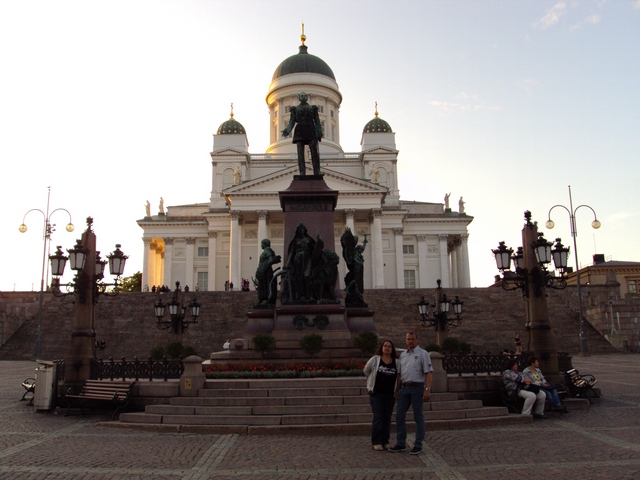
<point x="232" y="110"/>
<point x="376" y="109"/>
<point x="303" y="37"/>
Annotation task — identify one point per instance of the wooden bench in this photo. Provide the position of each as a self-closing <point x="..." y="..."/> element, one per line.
<point x="117" y="393"/>
<point x="581" y="385"/>
<point x="29" y="385"/>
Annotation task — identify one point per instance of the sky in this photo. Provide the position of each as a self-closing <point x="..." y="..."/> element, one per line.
<point x="505" y="103"/>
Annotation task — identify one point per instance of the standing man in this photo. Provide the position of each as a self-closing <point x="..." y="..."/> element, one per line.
<point x="308" y="132"/>
<point x="414" y="387"/>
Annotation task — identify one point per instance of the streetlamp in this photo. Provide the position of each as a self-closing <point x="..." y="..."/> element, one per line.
<point x="77" y="259"/>
<point x="574" y="232"/>
<point x="48" y="229"/>
<point x="441" y="319"/>
<point x="538" y="276"/>
<point x="177" y="313"/>
<point x="87" y="285"/>
<point x="532" y="277"/>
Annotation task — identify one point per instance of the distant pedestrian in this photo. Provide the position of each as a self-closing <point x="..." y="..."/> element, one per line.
<point x="382" y="378"/>
<point x="518" y="344"/>
<point x="416" y="375"/>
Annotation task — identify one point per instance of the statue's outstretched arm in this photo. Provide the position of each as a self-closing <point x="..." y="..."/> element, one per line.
<point x="292" y="122"/>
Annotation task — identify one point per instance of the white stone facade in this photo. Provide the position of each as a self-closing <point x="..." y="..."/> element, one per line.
<point x="411" y="244"/>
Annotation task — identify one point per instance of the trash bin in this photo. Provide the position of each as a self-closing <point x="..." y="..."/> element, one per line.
<point x="46" y="382"/>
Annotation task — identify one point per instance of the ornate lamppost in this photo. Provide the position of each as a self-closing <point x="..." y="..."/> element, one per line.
<point x="87" y="285"/>
<point x="441" y="320"/>
<point x="177" y="321"/>
<point x="532" y="277"/>
<point x="48" y="229"/>
<point x="574" y="232"/>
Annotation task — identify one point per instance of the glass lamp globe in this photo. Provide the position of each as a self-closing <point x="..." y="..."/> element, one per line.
<point x="549" y="224"/>
<point x="22" y="228"/>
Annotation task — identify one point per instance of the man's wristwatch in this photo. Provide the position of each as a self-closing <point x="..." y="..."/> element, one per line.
<point x="428" y="389"/>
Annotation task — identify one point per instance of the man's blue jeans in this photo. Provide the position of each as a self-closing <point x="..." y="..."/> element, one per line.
<point x="410" y="396"/>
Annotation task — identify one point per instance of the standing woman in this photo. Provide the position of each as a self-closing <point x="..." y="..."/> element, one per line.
<point x="382" y="371"/>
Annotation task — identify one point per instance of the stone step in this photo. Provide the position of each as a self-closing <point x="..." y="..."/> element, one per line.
<point x="326" y="405"/>
<point x="284" y="392"/>
<point x="141" y="421"/>
<point x="281" y="410"/>
<point x="270" y="383"/>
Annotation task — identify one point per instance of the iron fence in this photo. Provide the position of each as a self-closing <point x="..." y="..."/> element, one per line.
<point x="137" y="369"/>
<point x="487" y="364"/>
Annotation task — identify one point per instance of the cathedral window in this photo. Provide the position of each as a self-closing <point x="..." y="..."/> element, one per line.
<point x="407" y="250"/>
<point x="203" y="251"/>
<point x="320" y="109"/>
<point x="409" y="279"/>
<point x="203" y="281"/>
<point x="331" y="113"/>
<point x="227" y="178"/>
<point x="633" y="286"/>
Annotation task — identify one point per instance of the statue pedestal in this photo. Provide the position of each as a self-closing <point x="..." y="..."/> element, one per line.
<point x="310" y="201"/>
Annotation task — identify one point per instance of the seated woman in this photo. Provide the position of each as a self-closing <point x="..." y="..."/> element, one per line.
<point x="535" y="375"/>
<point x="514" y="383"/>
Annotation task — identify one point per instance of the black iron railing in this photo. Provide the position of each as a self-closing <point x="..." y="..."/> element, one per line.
<point x="136" y="369"/>
<point x="487" y="364"/>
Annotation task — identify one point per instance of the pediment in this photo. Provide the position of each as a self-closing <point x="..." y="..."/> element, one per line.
<point x="380" y="151"/>
<point x="278" y="181"/>
<point x="228" y="152"/>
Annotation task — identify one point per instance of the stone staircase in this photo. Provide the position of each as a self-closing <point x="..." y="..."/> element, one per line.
<point x="325" y="406"/>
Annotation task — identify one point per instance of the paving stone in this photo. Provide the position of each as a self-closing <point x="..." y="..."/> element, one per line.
<point x="600" y="443"/>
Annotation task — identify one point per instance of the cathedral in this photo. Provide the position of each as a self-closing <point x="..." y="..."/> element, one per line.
<point x="214" y="244"/>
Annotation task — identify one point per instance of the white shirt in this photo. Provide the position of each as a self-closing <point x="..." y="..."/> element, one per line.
<point x="415" y="364"/>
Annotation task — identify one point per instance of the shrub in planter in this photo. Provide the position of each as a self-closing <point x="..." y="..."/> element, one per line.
<point x="263" y="343"/>
<point x="156" y="353"/>
<point x="433" y="347"/>
<point x="366" y="342"/>
<point x="455" y="346"/>
<point x="188" y="350"/>
<point x="173" y="350"/>
<point x="312" y="343"/>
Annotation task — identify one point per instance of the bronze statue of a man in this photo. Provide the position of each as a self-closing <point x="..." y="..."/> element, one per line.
<point x="308" y="132"/>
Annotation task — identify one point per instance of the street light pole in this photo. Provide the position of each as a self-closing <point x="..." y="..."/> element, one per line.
<point x="572" y="222"/>
<point x="48" y="230"/>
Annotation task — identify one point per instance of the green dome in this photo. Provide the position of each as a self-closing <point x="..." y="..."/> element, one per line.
<point x="231" y="127"/>
<point x="377" y="125"/>
<point x="303" y="62"/>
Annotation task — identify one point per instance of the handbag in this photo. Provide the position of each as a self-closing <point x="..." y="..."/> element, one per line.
<point x="532" y="388"/>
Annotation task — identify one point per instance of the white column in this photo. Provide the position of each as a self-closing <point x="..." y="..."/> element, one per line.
<point x="349" y="215"/>
<point x="444" y="261"/>
<point x="465" y="260"/>
<point x="455" y="281"/>
<point x="168" y="258"/>
<point x="234" y="255"/>
<point x="376" y="243"/>
<point x="399" y="257"/>
<point x="459" y="265"/>
<point x="188" y="274"/>
<point x="211" y="260"/>
<point x="422" y="261"/>
<point x="146" y="268"/>
<point x="262" y="225"/>
<point x="153" y="264"/>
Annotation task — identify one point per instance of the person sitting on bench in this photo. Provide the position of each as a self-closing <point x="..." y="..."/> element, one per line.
<point x="533" y="373"/>
<point x="514" y="383"/>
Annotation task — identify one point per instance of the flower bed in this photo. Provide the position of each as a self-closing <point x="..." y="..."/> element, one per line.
<point x="297" y="370"/>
